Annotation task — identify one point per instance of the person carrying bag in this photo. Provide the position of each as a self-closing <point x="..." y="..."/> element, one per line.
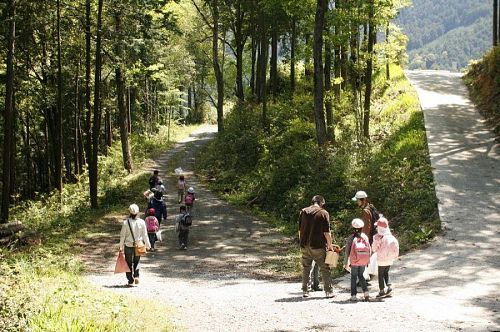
<point x="134" y="241"/>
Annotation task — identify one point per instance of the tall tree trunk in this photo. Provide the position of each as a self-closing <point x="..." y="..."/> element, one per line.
<point x="495" y="23"/>
<point x="76" y="121"/>
<point x="293" y="42"/>
<point x="93" y="170"/>
<point x="328" y="88"/>
<point x="253" y="60"/>
<point x="120" y="91"/>
<point x="387" y="60"/>
<point x="29" y="160"/>
<point x="273" y="74"/>
<point x="369" y="68"/>
<point x="9" y="113"/>
<point x="337" y="66"/>
<point x="58" y="149"/>
<point x="307" y="56"/>
<point x="88" y="106"/>
<point x="219" y="76"/>
<point x="130" y="101"/>
<point x="319" y="114"/>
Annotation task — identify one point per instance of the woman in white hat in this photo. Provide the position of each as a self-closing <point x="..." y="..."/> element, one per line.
<point x="133" y="231"/>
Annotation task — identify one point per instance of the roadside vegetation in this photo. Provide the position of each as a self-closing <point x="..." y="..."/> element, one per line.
<point x="483" y="81"/>
<point x="42" y="286"/>
<point x="276" y="172"/>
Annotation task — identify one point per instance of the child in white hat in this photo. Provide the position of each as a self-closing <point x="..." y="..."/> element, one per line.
<point x="387" y="248"/>
<point x="357" y="257"/>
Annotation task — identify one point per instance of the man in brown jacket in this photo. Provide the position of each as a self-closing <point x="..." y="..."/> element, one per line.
<point x="315" y="239"/>
<point x="361" y="198"/>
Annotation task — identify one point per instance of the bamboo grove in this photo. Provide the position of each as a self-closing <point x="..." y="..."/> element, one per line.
<point x="80" y="74"/>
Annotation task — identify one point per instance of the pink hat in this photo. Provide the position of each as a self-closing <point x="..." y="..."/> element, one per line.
<point x="382" y="222"/>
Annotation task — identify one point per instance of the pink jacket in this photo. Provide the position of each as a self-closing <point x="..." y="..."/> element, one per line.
<point x="387" y="248"/>
<point x="152" y="224"/>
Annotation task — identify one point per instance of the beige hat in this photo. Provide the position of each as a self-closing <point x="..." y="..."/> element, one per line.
<point x="357" y="223"/>
<point x="359" y="195"/>
<point x="134" y="209"/>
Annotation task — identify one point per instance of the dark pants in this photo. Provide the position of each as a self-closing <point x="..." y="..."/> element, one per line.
<point x="133" y="263"/>
<point x="383" y="277"/>
<point x="183" y="237"/>
<point x="357" y="273"/>
<point x="152" y="239"/>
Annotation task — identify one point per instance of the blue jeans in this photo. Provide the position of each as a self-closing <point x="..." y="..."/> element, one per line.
<point x="133" y="264"/>
<point x="357" y="272"/>
<point x="152" y="239"/>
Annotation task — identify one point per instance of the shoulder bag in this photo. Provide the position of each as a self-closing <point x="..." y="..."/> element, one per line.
<point x="139" y="246"/>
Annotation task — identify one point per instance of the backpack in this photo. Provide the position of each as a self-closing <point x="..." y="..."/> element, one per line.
<point x="151" y="224"/>
<point x="189" y="199"/>
<point x="375" y="217"/>
<point x="186" y="220"/>
<point x="360" y="251"/>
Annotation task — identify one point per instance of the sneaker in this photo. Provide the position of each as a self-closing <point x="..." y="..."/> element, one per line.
<point x="353" y="298"/>
<point x="130" y="284"/>
<point x="367" y="296"/>
<point x="152" y="249"/>
<point x="316" y="289"/>
<point x="389" y="289"/>
<point x="381" y="294"/>
<point x="136" y="281"/>
<point x="305" y="294"/>
<point x="328" y="295"/>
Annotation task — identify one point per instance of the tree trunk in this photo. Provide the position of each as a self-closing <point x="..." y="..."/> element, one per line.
<point x="319" y="114"/>
<point x="369" y="68"/>
<point x="337" y="65"/>
<point x="253" y="60"/>
<point x="93" y="170"/>
<point x="293" y="41"/>
<point x="307" y="56"/>
<point x="120" y="91"/>
<point x="387" y="60"/>
<point x="328" y="88"/>
<point x="8" y="114"/>
<point x="88" y="106"/>
<point x="495" y="23"/>
<point x="58" y="148"/>
<point x="273" y="74"/>
<point x="76" y="121"/>
<point x="219" y="76"/>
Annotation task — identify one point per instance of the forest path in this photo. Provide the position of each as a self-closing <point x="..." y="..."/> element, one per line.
<point x="220" y="283"/>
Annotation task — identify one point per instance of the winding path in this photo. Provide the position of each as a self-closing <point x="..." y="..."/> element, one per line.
<point x="221" y="284"/>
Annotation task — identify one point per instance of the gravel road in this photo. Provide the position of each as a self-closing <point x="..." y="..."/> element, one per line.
<point x="220" y="283"/>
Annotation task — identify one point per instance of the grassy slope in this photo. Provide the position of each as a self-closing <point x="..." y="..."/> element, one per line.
<point x="483" y="81"/>
<point x="277" y="172"/>
<point x="42" y="286"/>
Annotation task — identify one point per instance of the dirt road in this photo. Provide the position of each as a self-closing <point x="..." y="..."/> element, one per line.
<point x="219" y="283"/>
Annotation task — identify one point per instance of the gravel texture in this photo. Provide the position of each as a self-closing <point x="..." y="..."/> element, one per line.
<point x="221" y="284"/>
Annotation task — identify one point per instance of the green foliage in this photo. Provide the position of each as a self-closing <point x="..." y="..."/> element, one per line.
<point x="483" y="81"/>
<point x="290" y="168"/>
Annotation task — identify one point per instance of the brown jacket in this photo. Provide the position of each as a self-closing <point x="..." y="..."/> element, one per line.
<point x="367" y="219"/>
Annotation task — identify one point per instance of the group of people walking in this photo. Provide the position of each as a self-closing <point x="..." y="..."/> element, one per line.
<point x="371" y="235"/>
<point x="138" y="236"/>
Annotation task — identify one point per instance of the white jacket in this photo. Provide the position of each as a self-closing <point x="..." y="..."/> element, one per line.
<point x="140" y="233"/>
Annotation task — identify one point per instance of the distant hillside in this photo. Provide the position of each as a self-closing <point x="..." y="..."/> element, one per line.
<point x="446" y="34"/>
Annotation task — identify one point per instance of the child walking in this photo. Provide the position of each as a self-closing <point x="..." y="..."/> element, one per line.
<point x="189" y="199"/>
<point x="357" y="257"/>
<point x="387" y="248"/>
<point x="184" y="221"/>
<point x="152" y="226"/>
<point x="181" y="188"/>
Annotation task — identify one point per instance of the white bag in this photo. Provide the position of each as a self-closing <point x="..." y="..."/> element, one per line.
<point x="373" y="265"/>
<point x="158" y="236"/>
<point x="178" y="171"/>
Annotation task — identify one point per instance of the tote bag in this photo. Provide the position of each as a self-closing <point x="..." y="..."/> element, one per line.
<point x="121" y="264"/>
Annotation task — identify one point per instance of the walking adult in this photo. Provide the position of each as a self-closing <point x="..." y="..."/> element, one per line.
<point x="367" y="215"/>
<point x="315" y="239"/>
<point x="154" y="179"/>
<point x="158" y="204"/>
<point x="133" y="230"/>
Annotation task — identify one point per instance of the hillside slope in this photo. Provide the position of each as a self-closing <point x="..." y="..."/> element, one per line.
<point x="461" y="28"/>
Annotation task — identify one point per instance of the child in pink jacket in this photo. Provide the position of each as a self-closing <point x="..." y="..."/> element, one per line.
<point x="387" y="248"/>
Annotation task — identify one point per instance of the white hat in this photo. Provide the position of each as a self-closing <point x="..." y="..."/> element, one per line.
<point x="359" y="194"/>
<point x="357" y="223"/>
<point x="133" y="209"/>
<point x="191" y="190"/>
<point x="382" y="222"/>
